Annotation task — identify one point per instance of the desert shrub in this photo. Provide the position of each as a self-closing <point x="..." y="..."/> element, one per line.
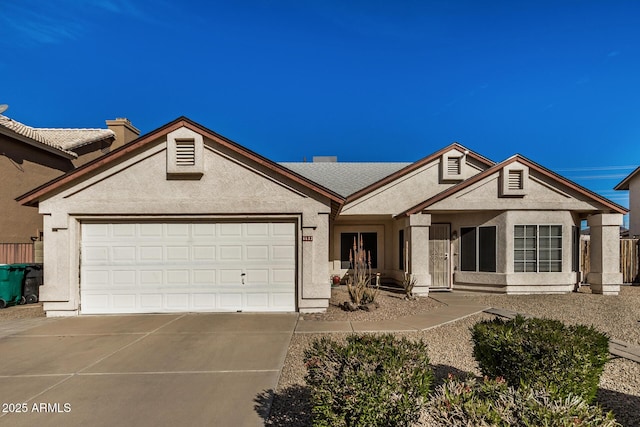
<point x="367" y="381"/>
<point x="359" y="282"/>
<point x="542" y="353"/>
<point x="492" y="402"/>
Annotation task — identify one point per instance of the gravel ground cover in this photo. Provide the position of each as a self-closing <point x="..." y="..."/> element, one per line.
<point x="450" y="346"/>
<point x="26" y="311"/>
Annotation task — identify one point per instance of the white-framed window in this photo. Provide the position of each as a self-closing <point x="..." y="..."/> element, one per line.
<point x="537" y="248"/>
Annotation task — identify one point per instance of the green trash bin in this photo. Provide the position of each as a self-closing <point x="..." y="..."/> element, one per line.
<point x="11" y="278"/>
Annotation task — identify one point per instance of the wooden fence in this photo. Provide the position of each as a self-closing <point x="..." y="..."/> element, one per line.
<point x="629" y="259"/>
<point x="12" y="253"/>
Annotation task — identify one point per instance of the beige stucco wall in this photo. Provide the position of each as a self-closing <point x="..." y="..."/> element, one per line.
<point x="22" y="168"/>
<point x="138" y="188"/>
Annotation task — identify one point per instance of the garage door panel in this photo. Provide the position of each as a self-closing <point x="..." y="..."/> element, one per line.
<point x="204" y="253"/>
<point x="156" y="267"/>
<point x="178" y="253"/>
<point x="124" y="301"/>
<point x="204" y="302"/>
<point x="257" y="277"/>
<point x="177" y="301"/>
<point x="151" y="277"/>
<point x="258" y="229"/>
<point x="151" y="302"/>
<point x="122" y="230"/>
<point x="204" y="277"/>
<point x="178" y="277"/>
<point x="257" y="253"/>
<point x="257" y="300"/>
<point x="177" y="230"/>
<point x="96" y="254"/>
<point x="127" y="278"/>
<point x="230" y="301"/>
<point x="96" y="278"/>
<point x="282" y="276"/>
<point x="231" y="277"/>
<point x="283" y="253"/>
<point x="123" y="254"/>
<point x="231" y="229"/>
<point x="204" y="230"/>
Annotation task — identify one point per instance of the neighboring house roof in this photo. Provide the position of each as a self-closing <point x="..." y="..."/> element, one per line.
<point x="71" y="139"/>
<point x="345" y="178"/>
<point x="31" y="198"/>
<point x="624" y="184"/>
<point x="60" y="141"/>
<point x="532" y="166"/>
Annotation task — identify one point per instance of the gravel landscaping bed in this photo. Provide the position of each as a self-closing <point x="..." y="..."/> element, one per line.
<point x="26" y="311"/>
<point x="450" y="346"/>
<point x="391" y="302"/>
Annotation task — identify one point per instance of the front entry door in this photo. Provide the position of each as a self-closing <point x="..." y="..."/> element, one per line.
<point x="439" y="257"/>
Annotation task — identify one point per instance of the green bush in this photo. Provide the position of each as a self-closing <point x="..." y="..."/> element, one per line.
<point x="542" y="353"/>
<point x="493" y="403"/>
<point x="367" y="381"/>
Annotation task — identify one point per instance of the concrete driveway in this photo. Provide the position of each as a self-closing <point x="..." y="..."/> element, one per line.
<point x="144" y="370"/>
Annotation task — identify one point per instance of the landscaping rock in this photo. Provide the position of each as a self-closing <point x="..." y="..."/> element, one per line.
<point x="349" y="306"/>
<point x="369" y="307"/>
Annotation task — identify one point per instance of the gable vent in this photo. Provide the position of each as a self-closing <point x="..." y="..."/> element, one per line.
<point x="453" y="165"/>
<point x="185" y="152"/>
<point x="515" y="180"/>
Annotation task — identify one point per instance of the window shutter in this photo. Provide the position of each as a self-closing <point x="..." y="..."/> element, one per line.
<point x="515" y="180"/>
<point x="453" y="166"/>
<point x="185" y="152"/>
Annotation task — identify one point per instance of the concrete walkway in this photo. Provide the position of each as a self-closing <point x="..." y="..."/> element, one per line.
<point x="456" y="307"/>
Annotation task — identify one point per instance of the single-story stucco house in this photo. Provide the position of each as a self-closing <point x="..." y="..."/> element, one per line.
<point x="184" y="219"/>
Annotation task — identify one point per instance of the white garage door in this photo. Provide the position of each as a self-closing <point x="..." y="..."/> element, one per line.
<point x="153" y="267"/>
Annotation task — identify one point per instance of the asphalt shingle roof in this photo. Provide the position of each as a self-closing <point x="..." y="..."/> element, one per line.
<point x="344" y="178"/>
<point x="64" y="140"/>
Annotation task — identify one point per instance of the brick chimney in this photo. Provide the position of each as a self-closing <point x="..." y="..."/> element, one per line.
<point x="124" y="130"/>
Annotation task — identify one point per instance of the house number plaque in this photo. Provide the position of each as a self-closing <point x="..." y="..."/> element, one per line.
<point x="307" y="238"/>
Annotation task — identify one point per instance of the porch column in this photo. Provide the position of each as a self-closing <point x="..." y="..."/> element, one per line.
<point x="605" y="277"/>
<point x="314" y="290"/>
<point x="419" y="252"/>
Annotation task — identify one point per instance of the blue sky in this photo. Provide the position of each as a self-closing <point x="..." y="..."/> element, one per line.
<point x="556" y="81"/>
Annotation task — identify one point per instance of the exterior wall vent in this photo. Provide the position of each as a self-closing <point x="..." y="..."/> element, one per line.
<point x="185" y="154"/>
<point x="452" y="166"/>
<point x="513" y="180"/>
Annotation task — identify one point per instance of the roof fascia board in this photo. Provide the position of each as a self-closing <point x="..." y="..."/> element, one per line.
<point x="532" y="165"/>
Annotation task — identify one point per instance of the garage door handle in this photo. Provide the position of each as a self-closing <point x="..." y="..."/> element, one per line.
<point x="242" y="275"/>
